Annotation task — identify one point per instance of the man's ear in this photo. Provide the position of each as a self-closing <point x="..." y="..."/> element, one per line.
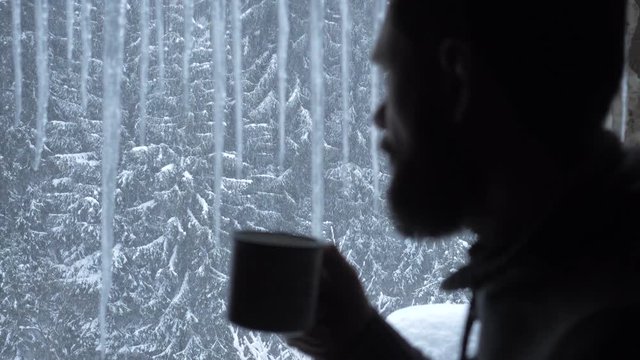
<point x="455" y="60"/>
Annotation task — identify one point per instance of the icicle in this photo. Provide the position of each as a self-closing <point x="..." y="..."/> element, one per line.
<point x="624" y="118"/>
<point x="220" y="91"/>
<point x="378" y="13"/>
<point x="624" y="91"/>
<point x="283" y="48"/>
<point x="160" y="44"/>
<point x="375" y="161"/>
<point x="317" y="116"/>
<point x="345" y="59"/>
<point x="144" y="68"/>
<point x="237" y="79"/>
<point x="85" y="30"/>
<point x="42" y="69"/>
<point x="17" y="58"/>
<point x="70" y="18"/>
<point x="186" y="55"/>
<point x="114" y="24"/>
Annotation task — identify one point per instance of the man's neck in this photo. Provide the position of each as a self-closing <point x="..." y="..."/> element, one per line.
<point x="523" y="197"/>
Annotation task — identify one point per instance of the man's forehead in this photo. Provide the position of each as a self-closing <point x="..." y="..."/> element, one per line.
<point x="391" y="40"/>
<point x="421" y="19"/>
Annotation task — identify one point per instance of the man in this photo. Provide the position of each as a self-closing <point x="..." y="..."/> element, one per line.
<point x="493" y="122"/>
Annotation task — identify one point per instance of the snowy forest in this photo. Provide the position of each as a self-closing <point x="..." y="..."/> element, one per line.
<point x="137" y="135"/>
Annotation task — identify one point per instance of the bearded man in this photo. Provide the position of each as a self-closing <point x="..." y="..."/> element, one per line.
<point x="494" y="123"/>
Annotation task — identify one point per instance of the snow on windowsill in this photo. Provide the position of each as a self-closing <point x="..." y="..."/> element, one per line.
<point x="434" y="329"/>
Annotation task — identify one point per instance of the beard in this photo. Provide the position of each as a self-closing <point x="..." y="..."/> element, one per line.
<point x="427" y="197"/>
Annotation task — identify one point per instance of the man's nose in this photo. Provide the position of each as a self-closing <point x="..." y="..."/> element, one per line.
<point x="379" y="116"/>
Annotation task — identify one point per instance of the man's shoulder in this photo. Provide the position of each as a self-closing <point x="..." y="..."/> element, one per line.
<point x="628" y="172"/>
<point x="609" y="333"/>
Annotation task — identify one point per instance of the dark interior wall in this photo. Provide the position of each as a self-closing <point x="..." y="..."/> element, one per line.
<point x="634" y="51"/>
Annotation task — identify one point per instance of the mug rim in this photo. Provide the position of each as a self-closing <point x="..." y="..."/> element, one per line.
<point x="277" y="238"/>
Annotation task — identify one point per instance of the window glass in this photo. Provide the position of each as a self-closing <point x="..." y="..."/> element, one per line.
<point x="195" y="162"/>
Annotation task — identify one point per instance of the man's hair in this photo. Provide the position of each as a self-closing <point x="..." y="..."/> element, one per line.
<point x="559" y="61"/>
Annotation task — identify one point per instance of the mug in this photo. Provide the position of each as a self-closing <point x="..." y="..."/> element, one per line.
<point x="274" y="281"/>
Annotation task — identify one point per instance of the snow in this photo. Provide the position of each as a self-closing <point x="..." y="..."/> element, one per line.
<point x="203" y="205"/>
<point x="229" y="156"/>
<point x="85" y="158"/>
<point x="61" y="181"/>
<point x="264" y="106"/>
<point x="82" y="272"/>
<point x="91" y="200"/>
<point x="148" y="249"/>
<point x="193" y="221"/>
<point x="434" y="329"/>
<point x="140" y="149"/>
<point x="119" y="258"/>
<point x="172" y="260"/>
<point x="125" y="177"/>
<point x="144" y="207"/>
<point x="168" y="168"/>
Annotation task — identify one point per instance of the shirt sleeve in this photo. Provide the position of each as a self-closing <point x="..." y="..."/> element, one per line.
<point x="379" y="341"/>
<point x="611" y="333"/>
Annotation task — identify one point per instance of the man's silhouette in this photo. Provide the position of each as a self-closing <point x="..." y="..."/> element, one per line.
<point x="493" y="122"/>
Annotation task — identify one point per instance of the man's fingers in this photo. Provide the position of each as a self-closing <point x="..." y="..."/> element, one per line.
<point x="335" y="264"/>
<point x="307" y="344"/>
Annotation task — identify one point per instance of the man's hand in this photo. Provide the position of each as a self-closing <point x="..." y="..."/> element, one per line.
<point x="342" y="313"/>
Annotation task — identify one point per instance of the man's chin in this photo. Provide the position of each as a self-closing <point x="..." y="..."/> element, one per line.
<point x="422" y="206"/>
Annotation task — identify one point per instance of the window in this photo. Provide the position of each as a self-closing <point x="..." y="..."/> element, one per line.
<point x="215" y="130"/>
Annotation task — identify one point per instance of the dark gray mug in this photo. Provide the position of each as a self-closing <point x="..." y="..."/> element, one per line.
<point x="274" y="281"/>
